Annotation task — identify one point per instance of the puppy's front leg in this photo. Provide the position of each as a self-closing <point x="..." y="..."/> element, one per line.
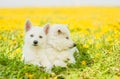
<point x="34" y="62"/>
<point x="72" y="59"/>
<point x="60" y="63"/>
<point x="45" y="62"/>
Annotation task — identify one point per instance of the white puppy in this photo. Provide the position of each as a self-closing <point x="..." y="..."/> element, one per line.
<point x="60" y="46"/>
<point x="35" y="44"/>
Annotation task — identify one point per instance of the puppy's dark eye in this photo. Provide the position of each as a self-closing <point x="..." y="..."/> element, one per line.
<point x="67" y="37"/>
<point x="31" y="35"/>
<point x="40" y="36"/>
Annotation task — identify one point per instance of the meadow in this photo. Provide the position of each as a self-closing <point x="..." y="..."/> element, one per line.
<point x="95" y="30"/>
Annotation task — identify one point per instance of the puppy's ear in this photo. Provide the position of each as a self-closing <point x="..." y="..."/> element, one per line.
<point x="66" y="25"/>
<point x="59" y="31"/>
<point x="46" y="28"/>
<point x="28" y="25"/>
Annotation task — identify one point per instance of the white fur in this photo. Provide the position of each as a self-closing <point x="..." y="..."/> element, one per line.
<point x="35" y="54"/>
<point x="59" y="49"/>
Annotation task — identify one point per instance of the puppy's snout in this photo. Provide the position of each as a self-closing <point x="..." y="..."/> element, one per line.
<point x="35" y="42"/>
<point x="74" y="45"/>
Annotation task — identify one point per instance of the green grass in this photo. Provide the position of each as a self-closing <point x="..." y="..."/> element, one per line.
<point x="102" y="62"/>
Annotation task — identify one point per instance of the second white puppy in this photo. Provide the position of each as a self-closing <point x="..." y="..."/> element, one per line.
<point x="59" y="45"/>
<point x="35" y="44"/>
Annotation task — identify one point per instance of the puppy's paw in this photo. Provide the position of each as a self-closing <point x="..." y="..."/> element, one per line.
<point x="48" y="69"/>
<point x="72" y="60"/>
<point x="36" y="64"/>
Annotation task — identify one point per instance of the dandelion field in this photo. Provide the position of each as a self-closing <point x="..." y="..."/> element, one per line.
<point x="95" y="30"/>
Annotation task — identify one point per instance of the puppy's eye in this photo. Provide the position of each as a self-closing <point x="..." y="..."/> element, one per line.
<point x="31" y="35"/>
<point x="67" y="37"/>
<point x="40" y="36"/>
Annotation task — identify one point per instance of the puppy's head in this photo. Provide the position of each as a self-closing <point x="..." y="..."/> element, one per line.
<point x="35" y="36"/>
<point x="59" y="37"/>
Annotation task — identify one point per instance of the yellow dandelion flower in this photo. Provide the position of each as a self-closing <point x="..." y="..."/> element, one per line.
<point x="98" y="55"/>
<point x="112" y="43"/>
<point x="21" y="34"/>
<point x="90" y="41"/>
<point x="5" y="38"/>
<point x="45" y="78"/>
<point x="18" y="50"/>
<point x="0" y="37"/>
<point x="14" y="42"/>
<point x="26" y="74"/>
<point x="97" y="36"/>
<point x="98" y="46"/>
<point x="55" y="77"/>
<point x="83" y="62"/>
<point x="116" y="36"/>
<point x="53" y="74"/>
<point x="85" y="46"/>
<point x="116" y="77"/>
<point x="109" y="38"/>
<point x="30" y="76"/>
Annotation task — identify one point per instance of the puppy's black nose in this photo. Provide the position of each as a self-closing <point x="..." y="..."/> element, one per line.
<point x="74" y="45"/>
<point x="35" y="42"/>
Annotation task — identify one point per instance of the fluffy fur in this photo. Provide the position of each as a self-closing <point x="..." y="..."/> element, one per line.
<point x="60" y="46"/>
<point x="34" y="46"/>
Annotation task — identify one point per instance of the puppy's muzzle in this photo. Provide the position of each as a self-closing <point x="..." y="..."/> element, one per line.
<point x="74" y="45"/>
